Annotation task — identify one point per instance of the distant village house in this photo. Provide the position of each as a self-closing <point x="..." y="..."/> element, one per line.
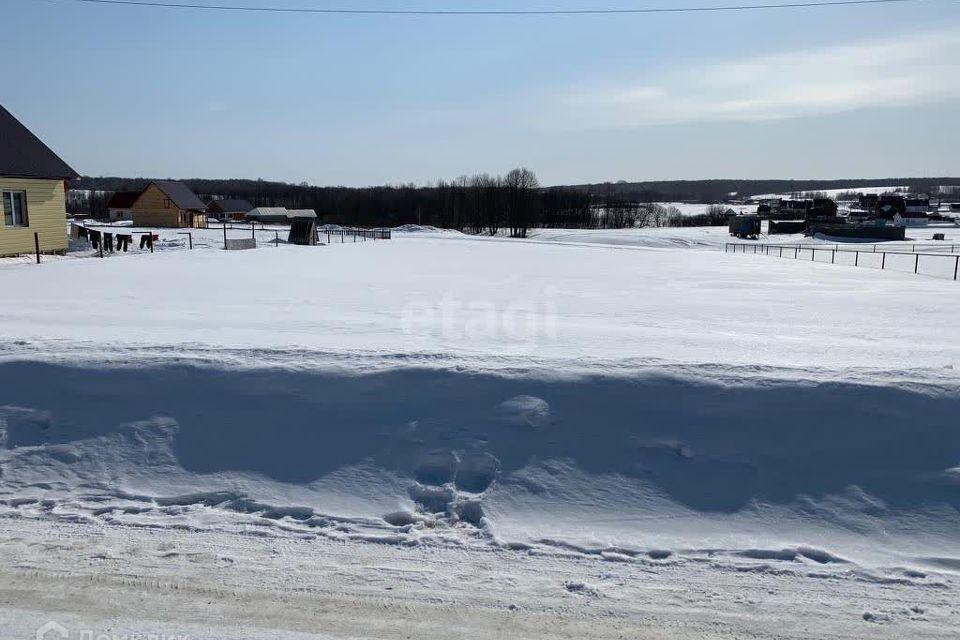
<point x="915" y="213"/>
<point x="229" y="209"/>
<point x="33" y="191"/>
<point x="167" y="203"/>
<point x="120" y="206"/>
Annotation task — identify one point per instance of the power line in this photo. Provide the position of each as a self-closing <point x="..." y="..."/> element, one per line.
<point x="495" y="12"/>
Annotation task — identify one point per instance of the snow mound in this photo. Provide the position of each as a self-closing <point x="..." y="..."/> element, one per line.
<point x="640" y="468"/>
<point x="421" y="228"/>
<point x="526" y="410"/>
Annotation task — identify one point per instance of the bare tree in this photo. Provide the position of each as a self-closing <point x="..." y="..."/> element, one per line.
<point x="522" y="191"/>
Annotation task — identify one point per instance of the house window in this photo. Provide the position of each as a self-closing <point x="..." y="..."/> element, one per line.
<point x="15" y="209"/>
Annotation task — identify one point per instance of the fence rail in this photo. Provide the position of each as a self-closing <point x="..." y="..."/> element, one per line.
<point x="949" y="262"/>
<point x="354" y="234"/>
<point x="338" y="234"/>
<point x="912" y="247"/>
<point x="102" y="236"/>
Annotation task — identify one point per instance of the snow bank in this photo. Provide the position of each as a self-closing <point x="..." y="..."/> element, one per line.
<point x="639" y="466"/>
<point x="658" y="238"/>
<point x="421" y="228"/>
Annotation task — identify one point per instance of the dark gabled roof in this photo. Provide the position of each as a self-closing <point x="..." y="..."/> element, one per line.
<point x="180" y="195"/>
<point x="232" y="206"/>
<point x="23" y="155"/>
<point x="123" y="199"/>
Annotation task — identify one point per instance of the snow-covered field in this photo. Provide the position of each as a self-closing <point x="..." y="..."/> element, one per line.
<point x="833" y="193"/>
<point x="584" y="434"/>
<point x="695" y="209"/>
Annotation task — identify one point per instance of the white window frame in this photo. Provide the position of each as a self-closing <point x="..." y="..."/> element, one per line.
<point x="23" y="214"/>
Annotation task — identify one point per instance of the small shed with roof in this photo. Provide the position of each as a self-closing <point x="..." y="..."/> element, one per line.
<point x="279" y="215"/>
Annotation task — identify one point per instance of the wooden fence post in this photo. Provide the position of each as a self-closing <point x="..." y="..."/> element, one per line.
<point x="36" y="244"/>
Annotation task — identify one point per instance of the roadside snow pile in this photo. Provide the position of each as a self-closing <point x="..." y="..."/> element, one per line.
<point x="643" y="466"/>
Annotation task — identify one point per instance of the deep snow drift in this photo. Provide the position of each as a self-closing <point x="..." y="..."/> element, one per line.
<point x="634" y="465"/>
<point x="515" y="401"/>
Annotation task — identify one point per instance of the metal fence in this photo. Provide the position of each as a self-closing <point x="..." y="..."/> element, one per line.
<point x="947" y="264"/>
<point x="331" y="235"/>
<point x="264" y="234"/>
<point x="911" y="247"/>
<point x="108" y="239"/>
<point x="344" y="235"/>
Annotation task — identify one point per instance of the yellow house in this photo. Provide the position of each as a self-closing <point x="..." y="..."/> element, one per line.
<point x="167" y="203"/>
<point x="33" y="183"/>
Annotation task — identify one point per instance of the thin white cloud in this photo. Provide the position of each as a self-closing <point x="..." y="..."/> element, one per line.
<point x="887" y="71"/>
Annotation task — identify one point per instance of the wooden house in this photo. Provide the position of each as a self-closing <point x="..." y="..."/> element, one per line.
<point x="167" y="203"/>
<point x="33" y="189"/>
<point x="229" y="209"/>
<point x="120" y="206"/>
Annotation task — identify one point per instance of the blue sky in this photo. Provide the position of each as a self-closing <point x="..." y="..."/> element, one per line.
<point x="805" y="93"/>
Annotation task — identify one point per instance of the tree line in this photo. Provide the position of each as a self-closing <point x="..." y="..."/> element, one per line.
<point x="707" y="191"/>
<point x="511" y="203"/>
